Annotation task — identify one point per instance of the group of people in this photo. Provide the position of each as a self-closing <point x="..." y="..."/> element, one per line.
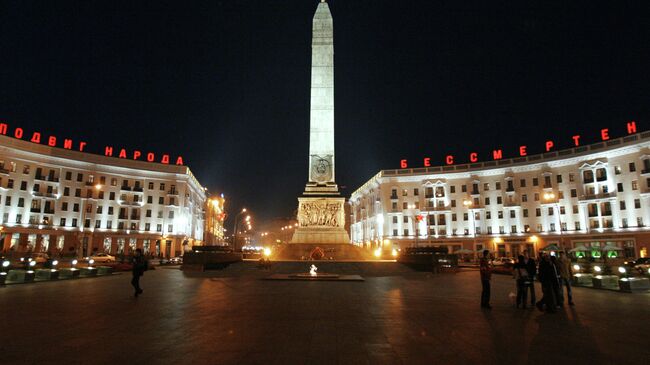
<point x="552" y="272"/>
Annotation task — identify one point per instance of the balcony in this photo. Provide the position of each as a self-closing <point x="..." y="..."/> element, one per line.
<point x="511" y="204"/>
<point x="123" y="216"/>
<point x="393" y="196"/>
<point x="4" y="171"/>
<point x="437" y="209"/>
<point x="510" y="190"/>
<point x="475" y="192"/>
<point x="602" y="196"/>
<point x="135" y="217"/>
<point x="48" y="211"/>
<point x="172" y="192"/>
<point x="645" y="172"/>
<point x="35" y="210"/>
<point x="127" y="188"/>
<point x="138" y="189"/>
<point x="44" y="195"/>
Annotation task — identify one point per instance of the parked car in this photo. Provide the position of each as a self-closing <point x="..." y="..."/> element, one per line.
<point x="39" y="257"/>
<point x="177" y="260"/>
<point x="101" y="257"/>
<point x="503" y="265"/>
<point x="642" y="265"/>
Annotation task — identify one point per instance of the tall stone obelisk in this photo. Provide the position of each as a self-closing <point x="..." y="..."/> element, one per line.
<point x="321" y="213"/>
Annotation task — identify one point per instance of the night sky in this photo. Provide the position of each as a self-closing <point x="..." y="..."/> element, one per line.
<point x="225" y="84"/>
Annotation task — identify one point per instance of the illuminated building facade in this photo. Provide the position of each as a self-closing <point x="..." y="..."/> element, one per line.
<point x="585" y="196"/>
<point x="74" y="203"/>
<point x="215" y="214"/>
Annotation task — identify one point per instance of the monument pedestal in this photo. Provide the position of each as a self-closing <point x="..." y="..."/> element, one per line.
<point x="321" y="219"/>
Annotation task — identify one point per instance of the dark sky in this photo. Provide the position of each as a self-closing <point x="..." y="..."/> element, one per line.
<point x="225" y="84"/>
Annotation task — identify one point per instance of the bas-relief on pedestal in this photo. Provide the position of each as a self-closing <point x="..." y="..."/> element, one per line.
<point x="321" y="210"/>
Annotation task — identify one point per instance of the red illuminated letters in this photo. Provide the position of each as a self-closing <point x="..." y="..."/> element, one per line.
<point x="3" y="129"/>
<point x="604" y="134"/>
<point x="150" y="157"/>
<point x="108" y="151"/>
<point x="576" y="140"/>
<point x="179" y="160"/>
<point x="549" y="145"/>
<point x="122" y="153"/>
<point x="82" y="144"/>
<point x="473" y="157"/>
<point x="631" y="127"/>
<point x="403" y="164"/>
<point x="136" y="154"/>
<point x="449" y="160"/>
<point x="522" y="150"/>
<point x="51" y="141"/>
<point x="18" y="133"/>
<point x="165" y="159"/>
<point x="427" y="162"/>
<point x="67" y="144"/>
<point x="36" y="137"/>
<point x="497" y="154"/>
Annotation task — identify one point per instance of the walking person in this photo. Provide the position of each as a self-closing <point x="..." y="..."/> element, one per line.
<point x="566" y="273"/>
<point x="531" y="267"/>
<point x="486" y="274"/>
<point x="546" y="278"/>
<point x="521" y="278"/>
<point x="139" y="267"/>
<point x="555" y="285"/>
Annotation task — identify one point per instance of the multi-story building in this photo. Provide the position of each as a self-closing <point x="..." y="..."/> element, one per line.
<point x="215" y="214"/>
<point x="63" y="201"/>
<point x="588" y="196"/>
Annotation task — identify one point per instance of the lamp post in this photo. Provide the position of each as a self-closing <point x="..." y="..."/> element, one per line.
<point x="469" y="204"/>
<point x="550" y="198"/>
<point x="234" y="234"/>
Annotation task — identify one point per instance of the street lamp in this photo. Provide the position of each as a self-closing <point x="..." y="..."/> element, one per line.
<point x="234" y="239"/>
<point x="550" y="198"/>
<point x="468" y="203"/>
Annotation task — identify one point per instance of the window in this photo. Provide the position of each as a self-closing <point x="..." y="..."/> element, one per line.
<point x="560" y="194"/>
<point x="452" y="189"/>
<point x="525" y="212"/>
<point x="68" y="176"/>
<point x="405" y="192"/>
<point x="36" y="188"/>
<point x="465" y="216"/>
<point x="80" y="178"/>
<point x="588" y="176"/>
<point x="522" y="183"/>
<point x="463" y="188"/>
<point x="499" y="200"/>
<point x="149" y="199"/>
<point x="558" y="178"/>
<point x="547" y="181"/>
<point x="109" y="224"/>
<point x="577" y="225"/>
<point x="147" y="226"/>
<point x="635" y="185"/>
<point x="453" y="217"/>
<point x="10" y="184"/>
<point x="513" y="229"/>
<point x="394" y="232"/>
<point x="453" y="203"/>
<point x="172" y="201"/>
<point x="62" y="222"/>
<point x="488" y="215"/>
<point x="538" y="212"/>
<point x="632" y="167"/>
<point x="575" y="209"/>
<point x="21" y="202"/>
<point x="148" y="214"/>
<point x="524" y="198"/>
<point x="102" y="180"/>
<point x="74" y="222"/>
<point x="617" y="170"/>
<point x="100" y="209"/>
<point x="160" y="214"/>
<point x="619" y="187"/>
<point x="110" y="210"/>
<point x="171" y="214"/>
<point x="101" y="195"/>
<point x="113" y="182"/>
<point x="406" y="232"/>
<point x="535" y="181"/>
<point x="23" y="185"/>
<point x="501" y="230"/>
<point x="500" y="214"/>
<point x="98" y="223"/>
<point x="486" y="186"/>
<point x="513" y="214"/>
<point x="162" y="186"/>
<point x="77" y="193"/>
<point x="637" y="203"/>
<point x="111" y="195"/>
<point x="639" y="221"/>
<point x="75" y="207"/>
<point x="601" y="174"/>
<point x="64" y="206"/>
<point x="416" y="192"/>
<point x="161" y="200"/>
<point x="572" y="178"/>
<point x="498" y="186"/>
<point x="551" y="210"/>
<point x="536" y="197"/>
<point x="621" y="205"/>
<point x="150" y="188"/>
<point x="394" y="206"/>
<point x="624" y="223"/>
<point x="26" y="169"/>
<point x="562" y="210"/>
<point x="405" y="205"/>
<point x="487" y="201"/>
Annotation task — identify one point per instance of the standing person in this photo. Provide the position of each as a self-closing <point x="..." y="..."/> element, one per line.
<point x="566" y="273"/>
<point x="531" y="267"/>
<point x="546" y="278"/>
<point x="486" y="273"/>
<point x="520" y="273"/>
<point x="139" y="267"/>
<point x="555" y="285"/>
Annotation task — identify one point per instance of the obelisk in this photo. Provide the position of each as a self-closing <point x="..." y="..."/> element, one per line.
<point x="321" y="213"/>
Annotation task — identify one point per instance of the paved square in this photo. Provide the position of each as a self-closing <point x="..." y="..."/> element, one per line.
<point x="232" y="316"/>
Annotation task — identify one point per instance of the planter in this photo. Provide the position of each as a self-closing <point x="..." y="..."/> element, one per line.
<point x="68" y="273"/>
<point x="104" y="270"/>
<point x="605" y="281"/>
<point x="634" y="284"/>
<point x="88" y="271"/>
<point x="583" y="280"/>
<point x="46" y="274"/>
<point x="20" y="276"/>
